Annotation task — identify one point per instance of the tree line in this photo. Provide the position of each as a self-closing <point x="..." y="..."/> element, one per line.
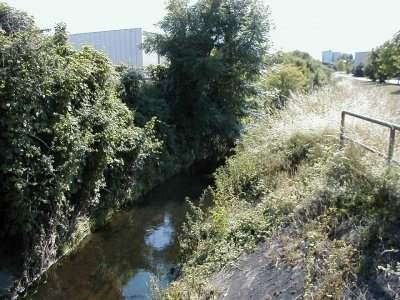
<point x="383" y="62"/>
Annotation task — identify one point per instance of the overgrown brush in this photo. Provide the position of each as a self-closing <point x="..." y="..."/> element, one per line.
<point x="69" y="147"/>
<point x="288" y="172"/>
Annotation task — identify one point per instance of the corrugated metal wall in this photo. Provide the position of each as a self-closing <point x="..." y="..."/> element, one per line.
<point x="122" y="46"/>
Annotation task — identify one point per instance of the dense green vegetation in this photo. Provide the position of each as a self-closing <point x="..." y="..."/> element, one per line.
<point x="384" y="61"/>
<point x="344" y="63"/>
<point x="68" y="145"/>
<point x="81" y="138"/>
<point x="293" y="72"/>
<point x="215" y="50"/>
<point x="334" y="209"/>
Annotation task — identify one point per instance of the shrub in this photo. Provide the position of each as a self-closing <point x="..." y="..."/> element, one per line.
<point x="289" y="179"/>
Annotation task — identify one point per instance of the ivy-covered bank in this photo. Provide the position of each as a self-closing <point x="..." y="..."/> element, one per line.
<point x="334" y="212"/>
<point x="69" y="146"/>
<point x="81" y="138"/>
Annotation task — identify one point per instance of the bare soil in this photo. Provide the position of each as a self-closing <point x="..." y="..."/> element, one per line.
<point x="272" y="271"/>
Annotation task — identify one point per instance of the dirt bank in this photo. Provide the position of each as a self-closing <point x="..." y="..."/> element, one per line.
<point x="274" y="270"/>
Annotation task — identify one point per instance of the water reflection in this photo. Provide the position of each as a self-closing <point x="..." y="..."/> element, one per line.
<point x="137" y="247"/>
<point x="6" y="278"/>
<point x="138" y="286"/>
<point x="162" y="236"/>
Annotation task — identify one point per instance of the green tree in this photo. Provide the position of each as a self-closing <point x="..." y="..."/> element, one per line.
<point x="358" y="71"/>
<point x="370" y="68"/>
<point x="384" y="62"/>
<point x="340" y="65"/>
<point x="290" y="73"/>
<point x="388" y="61"/>
<point x="348" y="58"/>
<point x="12" y="20"/>
<point x="281" y="81"/>
<point x="214" y="49"/>
<point x="65" y="139"/>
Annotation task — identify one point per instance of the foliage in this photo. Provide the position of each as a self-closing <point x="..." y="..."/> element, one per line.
<point x="358" y="71"/>
<point x="289" y="177"/>
<point x="347" y="58"/>
<point x="13" y="21"/>
<point x="344" y="63"/>
<point x="290" y="73"/>
<point x="80" y="138"/>
<point x="384" y="61"/>
<point x="388" y="61"/>
<point x="214" y="49"/>
<point x="371" y="65"/>
<point x="342" y="66"/>
<point x="64" y="139"/>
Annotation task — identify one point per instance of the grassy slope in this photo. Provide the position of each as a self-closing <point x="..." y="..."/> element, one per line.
<point x="341" y="207"/>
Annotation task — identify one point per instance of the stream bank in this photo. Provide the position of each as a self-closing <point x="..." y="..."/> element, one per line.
<point x="137" y="248"/>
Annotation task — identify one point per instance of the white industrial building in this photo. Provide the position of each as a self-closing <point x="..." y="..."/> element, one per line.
<point x="122" y="46"/>
<point x="330" y="57"/>
<point x="359" y="58"/>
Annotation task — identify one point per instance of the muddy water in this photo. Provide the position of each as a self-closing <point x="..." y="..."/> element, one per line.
<point x="137" y="248"/>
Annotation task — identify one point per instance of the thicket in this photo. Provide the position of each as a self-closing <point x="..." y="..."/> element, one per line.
<point x="80" y="138"/>
<point x="383" y="62"/>
<point x="215" y="50"/>
<point x="335" y="211"/>
<point x="344" y="63"/>
<point x="288" y="73"/>
<point x="68" y="145"/>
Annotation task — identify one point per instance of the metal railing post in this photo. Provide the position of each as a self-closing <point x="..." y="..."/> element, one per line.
<point x="342" y="130"/>
<point x="391" y="144"/>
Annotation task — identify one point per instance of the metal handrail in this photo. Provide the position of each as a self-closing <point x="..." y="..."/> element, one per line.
<point x="391" y="126"/>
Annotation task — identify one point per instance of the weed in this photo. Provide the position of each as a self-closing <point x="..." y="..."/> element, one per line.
<point x="341" y="206"/>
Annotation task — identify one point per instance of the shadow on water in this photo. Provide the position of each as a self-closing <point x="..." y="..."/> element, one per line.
<point x="9" y="271"/>
<point x="137" y="247"/>
<point x="7" y="278"/>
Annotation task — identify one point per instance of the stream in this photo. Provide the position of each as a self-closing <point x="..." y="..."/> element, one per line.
<point x="136" y="251"/>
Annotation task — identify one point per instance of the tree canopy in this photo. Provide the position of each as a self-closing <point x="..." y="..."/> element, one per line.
<point x="384" y="62"/>
<point x="215" y="49"/>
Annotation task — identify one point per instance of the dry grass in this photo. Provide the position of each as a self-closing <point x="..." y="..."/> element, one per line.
<point x="289" y="171"/>
<point x="321" y="111"/>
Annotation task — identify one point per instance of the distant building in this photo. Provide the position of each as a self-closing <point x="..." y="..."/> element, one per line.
<point x="122" y="46"/>
<point x="330" y="57"/>
<point x="359" y="58"/>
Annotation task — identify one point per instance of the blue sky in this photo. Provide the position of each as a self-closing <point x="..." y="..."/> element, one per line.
<point x="307" y="25"/>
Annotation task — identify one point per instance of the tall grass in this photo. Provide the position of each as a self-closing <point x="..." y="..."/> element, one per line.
<point x="341" y="206"/>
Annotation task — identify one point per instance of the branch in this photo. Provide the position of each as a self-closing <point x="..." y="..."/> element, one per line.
<point x="39" y="139"/>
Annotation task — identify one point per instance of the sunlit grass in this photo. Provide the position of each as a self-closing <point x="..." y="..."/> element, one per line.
<point x="289" y="171"/>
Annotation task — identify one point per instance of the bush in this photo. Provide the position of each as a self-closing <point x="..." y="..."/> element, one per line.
<point x="358" y="71"/>
<point x="293" y="72"/>
<point x="64" y="136"/>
